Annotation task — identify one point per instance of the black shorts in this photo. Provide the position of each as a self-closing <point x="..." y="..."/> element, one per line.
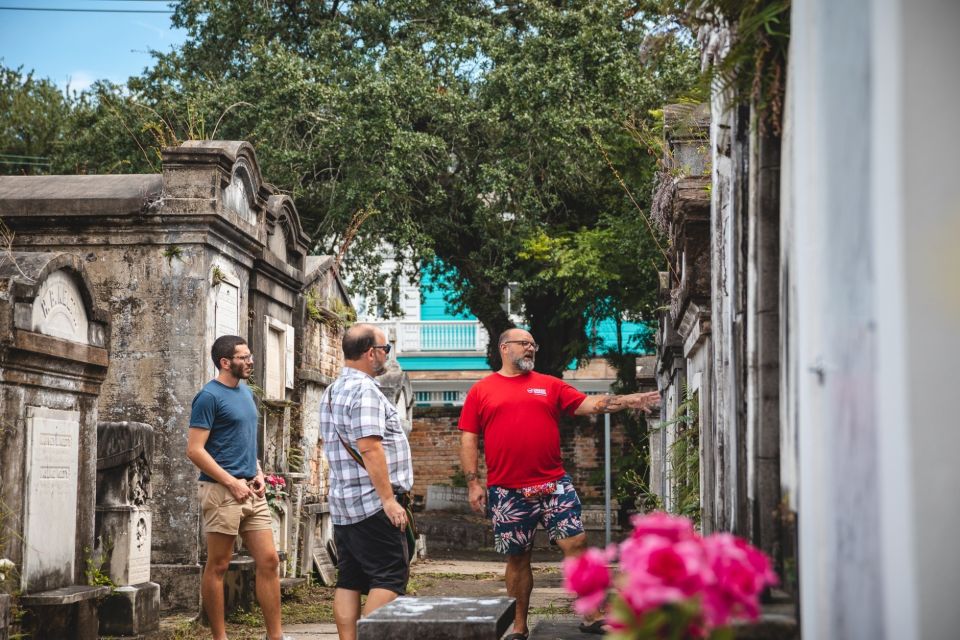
<point x="371" y="554"/>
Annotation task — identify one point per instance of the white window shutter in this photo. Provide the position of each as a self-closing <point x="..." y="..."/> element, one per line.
<point x="289" y="353"/>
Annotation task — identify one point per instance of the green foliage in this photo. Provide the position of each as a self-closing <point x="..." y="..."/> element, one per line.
<point x="217" y="276"/>
<point x="32" y="126"/>
<point x="171" y="253"/>
<point x="94" y="568"/>
<point x="755" y="66"/>
<point x="295" y="459"/>
<point x="458" y="478"/>
<point x="479" y="132"/>
<point x="684" y="457"/>
<point x="334" y="313"/>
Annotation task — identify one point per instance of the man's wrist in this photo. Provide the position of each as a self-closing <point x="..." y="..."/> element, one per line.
<point x="472" y="476"/>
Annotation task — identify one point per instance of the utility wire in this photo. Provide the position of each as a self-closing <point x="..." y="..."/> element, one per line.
<point x="71" y="10"/>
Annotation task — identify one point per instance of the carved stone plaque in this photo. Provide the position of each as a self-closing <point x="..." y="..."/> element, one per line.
<point x="139" y="550"/>
<point x="50" y="523"/>
<point x="58" y="309"/>
<point x="227" y="310"/>
<point x="237" y="199"/>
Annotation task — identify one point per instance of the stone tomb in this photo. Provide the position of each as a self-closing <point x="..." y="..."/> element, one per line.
<point x="124" y="461"/>
<point x="53" y="360"/>
<point x="203" y="249"/>
<point x="439" y="618"/>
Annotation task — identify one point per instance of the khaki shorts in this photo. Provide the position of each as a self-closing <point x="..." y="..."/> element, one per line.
<point x="223" y="514"/>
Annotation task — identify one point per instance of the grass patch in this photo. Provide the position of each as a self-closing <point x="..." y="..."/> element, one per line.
<point x="551" y="610"/>
<point x="311" y="603"/>
<point x="458" y="576"/>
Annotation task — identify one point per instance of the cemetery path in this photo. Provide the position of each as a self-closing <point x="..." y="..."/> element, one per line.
<point x="448" y="576"/>
<point x="443" y="574"/>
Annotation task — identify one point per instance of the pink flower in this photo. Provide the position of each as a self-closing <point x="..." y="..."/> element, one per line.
<point x="657" y="571"/>
<point x="658" y="523"/>
<point x="742" y="572"/>
<point x="588" y="577"/>
<point x="275" y="481"/>
<point x="705" y="582"/>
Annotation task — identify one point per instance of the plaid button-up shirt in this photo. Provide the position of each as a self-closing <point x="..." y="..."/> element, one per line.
<point x="354" y="407"/>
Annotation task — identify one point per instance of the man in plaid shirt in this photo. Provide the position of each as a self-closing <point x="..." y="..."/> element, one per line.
<point x="371" y="470"/>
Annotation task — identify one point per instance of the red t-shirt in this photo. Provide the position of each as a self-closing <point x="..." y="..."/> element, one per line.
<point x="517" y="418"/>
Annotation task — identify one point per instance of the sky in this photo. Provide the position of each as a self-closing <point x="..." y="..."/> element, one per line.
<point x="75" y="47"/>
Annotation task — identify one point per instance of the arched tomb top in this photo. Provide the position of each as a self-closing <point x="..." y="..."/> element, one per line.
<point x="238" y="195"/>
<point x="54" y="297"/>
<point x="58" y="309"/>
<point x="285" y="236"/>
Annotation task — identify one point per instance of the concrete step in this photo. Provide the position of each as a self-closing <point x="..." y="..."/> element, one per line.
<point x="287" y="585"/>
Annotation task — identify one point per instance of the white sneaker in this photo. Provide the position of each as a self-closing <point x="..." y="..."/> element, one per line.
<point x="283" y="637"/>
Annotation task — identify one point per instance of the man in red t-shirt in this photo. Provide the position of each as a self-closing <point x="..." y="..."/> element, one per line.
<point x="516" y="411"/>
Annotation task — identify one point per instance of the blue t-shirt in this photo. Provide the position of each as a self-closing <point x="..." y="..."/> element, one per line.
<point x="231" y="415"/>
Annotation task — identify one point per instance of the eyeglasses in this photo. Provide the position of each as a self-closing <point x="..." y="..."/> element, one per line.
<point x="524" y="344"/>
<point x="246" y="358"/>
<point x="386" y="348"/>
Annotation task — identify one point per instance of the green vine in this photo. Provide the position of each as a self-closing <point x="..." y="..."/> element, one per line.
<point x="173" y="252"/>
<point x="217" y="276"/>
<point x="94" y="571"/>
<point x="334" y="314"/>
<point x="295" y="459"/>
<point x="684" y="457"/>
<point x="755" y="66"/>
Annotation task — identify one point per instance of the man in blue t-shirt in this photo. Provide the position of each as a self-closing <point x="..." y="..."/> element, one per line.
<point x="222" y="442"/>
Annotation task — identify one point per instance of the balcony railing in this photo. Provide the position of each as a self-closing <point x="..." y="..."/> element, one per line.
<point x="446" y="398"/>
<point x="436" y="335"/>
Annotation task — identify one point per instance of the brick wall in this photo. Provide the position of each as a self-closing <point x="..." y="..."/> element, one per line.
<point x="435" y="443"/>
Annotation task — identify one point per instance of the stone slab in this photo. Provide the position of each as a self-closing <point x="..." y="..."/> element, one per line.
<point x="63" y="596"/>
<point x="439" y="618"/>
<point x="444" y="498"/>
<point x="49" y="533"/>
<point x="565" y="628"/>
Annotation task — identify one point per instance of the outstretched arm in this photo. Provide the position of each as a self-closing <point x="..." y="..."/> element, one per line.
<point x="611" y="404"/>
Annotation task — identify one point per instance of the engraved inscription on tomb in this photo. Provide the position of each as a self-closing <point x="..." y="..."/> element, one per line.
<point x="58" y="309"/>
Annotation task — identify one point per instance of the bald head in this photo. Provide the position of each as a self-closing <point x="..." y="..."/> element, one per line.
<point x="357" y="340"/>
<point x="517" y="352"/>
<point x="514" y="334"/>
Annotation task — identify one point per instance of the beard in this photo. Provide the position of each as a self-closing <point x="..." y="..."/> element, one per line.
<point x="524" y="363"/>
<point x="380" y="368"/>
<point x="240" y="371"/>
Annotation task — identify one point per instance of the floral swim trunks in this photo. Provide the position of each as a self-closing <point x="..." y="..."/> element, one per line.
<point x="515" y="518"/>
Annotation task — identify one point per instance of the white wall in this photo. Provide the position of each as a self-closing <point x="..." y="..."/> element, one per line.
<point x="916" y="238"/>
<point x="872" y="221"/>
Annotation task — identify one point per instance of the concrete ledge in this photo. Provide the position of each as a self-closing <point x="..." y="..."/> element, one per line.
<point x="289" y="584"/>
<point x="316" y="507"/>
<point x="130" y="611"/>
<point x="62" y="596"/>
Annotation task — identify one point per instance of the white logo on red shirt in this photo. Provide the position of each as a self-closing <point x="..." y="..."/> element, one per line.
<point x="537" y="392"/>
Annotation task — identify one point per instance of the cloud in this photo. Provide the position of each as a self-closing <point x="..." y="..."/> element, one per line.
<point x="161" y="34"/>
<point x="80" y="80"/>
